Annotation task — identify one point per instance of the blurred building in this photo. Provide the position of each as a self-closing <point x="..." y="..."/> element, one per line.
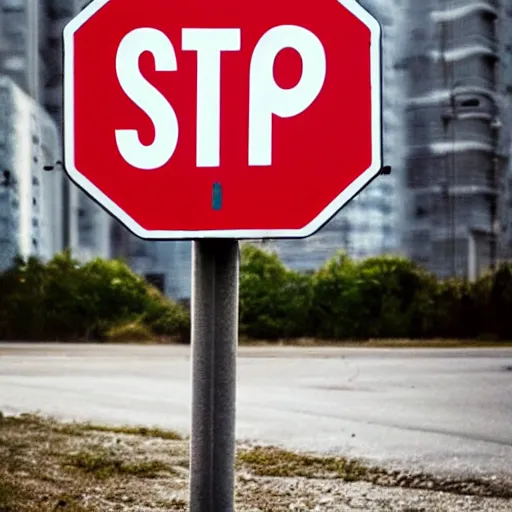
<point x="457" y="154"/>
<point x="506" y="76"/>
<point x="20" y="58"/>
<point x="30" y="209"/>
<point x="371" y="224"/>
<point x="88" y="224"/>
<point x="167" y="265"/>
<point x="31" y="54"/>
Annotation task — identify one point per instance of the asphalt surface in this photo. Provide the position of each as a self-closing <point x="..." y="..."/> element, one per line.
<point x="439" y="410"/>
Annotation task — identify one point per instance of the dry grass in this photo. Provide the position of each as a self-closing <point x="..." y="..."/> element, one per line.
<point x="153" y="432"/>
<point x="78" y="429"/>
<point x="47" y="466"/>
<point x="377" y="343"/>
<point x="17" y="498"/>
<point x="104" y="463"/>
<point x="276" y="462"/>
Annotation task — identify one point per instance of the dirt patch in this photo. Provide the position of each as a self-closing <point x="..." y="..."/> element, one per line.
<point x="47" y="466"/>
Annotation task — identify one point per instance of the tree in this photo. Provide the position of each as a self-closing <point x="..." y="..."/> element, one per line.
<point x="274" y="301"/>
<point x="338" y="310"/>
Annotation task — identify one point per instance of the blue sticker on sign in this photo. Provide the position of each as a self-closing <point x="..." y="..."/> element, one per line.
<point x="217" y="196"/>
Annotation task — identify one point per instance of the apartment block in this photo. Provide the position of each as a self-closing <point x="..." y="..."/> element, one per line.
<point x="457" y="152"/>
<point x="30" y="208"/>
<point x="505" y="250"/>
<point x="31" y="54"/>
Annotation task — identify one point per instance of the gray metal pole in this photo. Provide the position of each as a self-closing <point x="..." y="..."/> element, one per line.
<point x="215" y="270"/>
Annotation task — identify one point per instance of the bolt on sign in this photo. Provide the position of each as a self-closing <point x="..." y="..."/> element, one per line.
<point x="221" y="118"/>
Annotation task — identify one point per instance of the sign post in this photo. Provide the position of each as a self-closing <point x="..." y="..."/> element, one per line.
<point x="217" y="121"/>
<point x="215" y="266"/>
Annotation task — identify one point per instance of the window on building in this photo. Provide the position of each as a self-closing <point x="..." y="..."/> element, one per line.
<point x="4" y="227"/>
<point x="387" y="230"/>
<point x="13" y="4"/>
<point x="420" y="238"/>
<point x="14" y="63"/>
<point x="418" y="34"/>
<point x="471" y="102"/>
<point x="422" y="205"/>
<point x="16" y="40"/>
<point x="157" y="280"/>
<point x="52" y="109"/>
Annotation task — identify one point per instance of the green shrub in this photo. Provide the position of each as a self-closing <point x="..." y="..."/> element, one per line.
<point x="63" y="300"/>
<point x="338" y="309"/>
<point x="423" y="323"/>
<point x="23" y="308"/>
<point x="500" y="301"/>
<point x="166" y="318"/>
<point x="480" y="319"/>
<point x="382" y="297"/>
<point x="453" y="305"/>
<point x="389" y="286"/>
<point x="274" y="301"/>
<point x="134" y="331"/>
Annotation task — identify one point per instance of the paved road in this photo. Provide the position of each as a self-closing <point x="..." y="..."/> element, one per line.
<point x="443" y="410"/>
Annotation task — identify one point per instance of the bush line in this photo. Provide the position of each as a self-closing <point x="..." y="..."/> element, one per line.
<point x="380" y="297"/>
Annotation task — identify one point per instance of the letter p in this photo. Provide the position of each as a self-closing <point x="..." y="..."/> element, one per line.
<point x="266" y="98"/>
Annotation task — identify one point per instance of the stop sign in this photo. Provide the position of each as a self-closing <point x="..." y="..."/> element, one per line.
<point x="222" y="118"/>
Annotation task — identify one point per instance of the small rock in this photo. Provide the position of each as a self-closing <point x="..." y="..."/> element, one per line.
<point x="416" y="482"/>
<point x="402" y="480"/>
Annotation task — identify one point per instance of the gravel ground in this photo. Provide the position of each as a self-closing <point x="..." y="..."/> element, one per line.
<point x="48" y="466"/>
<point x="299" y="494"/>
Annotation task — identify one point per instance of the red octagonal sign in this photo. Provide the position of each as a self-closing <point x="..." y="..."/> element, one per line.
<point x="222" y="118"/>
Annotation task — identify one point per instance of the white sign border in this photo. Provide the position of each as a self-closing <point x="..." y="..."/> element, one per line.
<point x="247" y="234"/>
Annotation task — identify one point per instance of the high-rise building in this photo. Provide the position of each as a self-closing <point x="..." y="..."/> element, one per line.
<point x="31" y="54"/>
<point x="457" y="158"/>
<point x="505" y="252"/>
<point x="30" y="220"/>
<point x="371" y="223"/>
<point x="21" y="59"/>
<point x="88" y="225"/>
